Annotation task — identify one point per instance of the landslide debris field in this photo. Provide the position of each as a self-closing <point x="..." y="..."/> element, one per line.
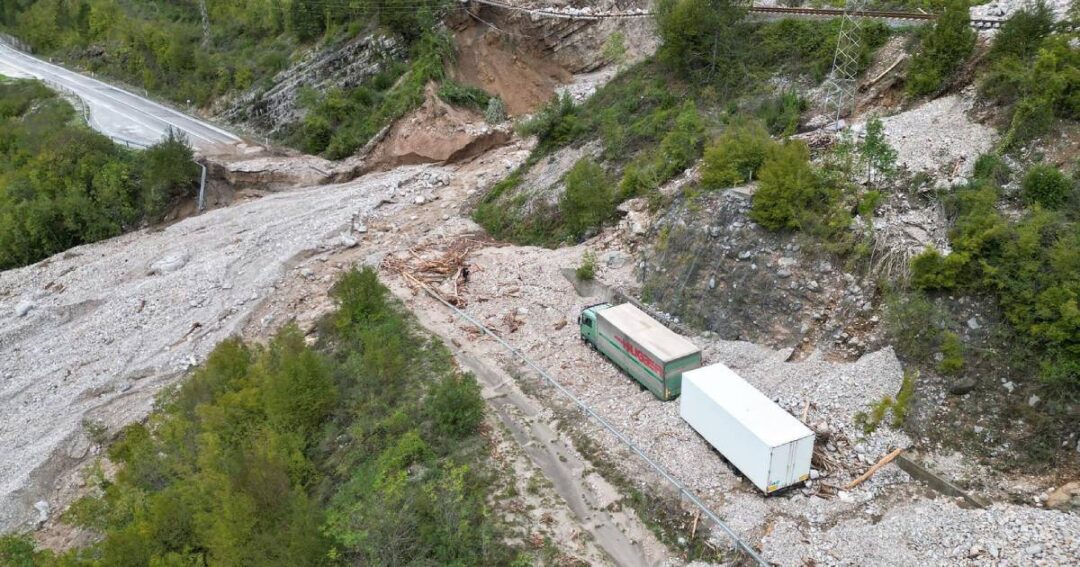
<point x="89" y="337"/>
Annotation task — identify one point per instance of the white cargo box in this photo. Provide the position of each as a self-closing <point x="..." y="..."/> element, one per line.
<point x="766" y="443"/>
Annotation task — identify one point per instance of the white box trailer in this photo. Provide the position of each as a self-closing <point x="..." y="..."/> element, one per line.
<point x="766" y="443"/>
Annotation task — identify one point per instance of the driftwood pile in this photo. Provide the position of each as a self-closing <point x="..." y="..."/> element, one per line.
<point x="440" y="266"/>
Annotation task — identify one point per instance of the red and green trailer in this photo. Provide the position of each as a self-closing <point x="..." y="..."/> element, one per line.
<point x="641" y="346"/>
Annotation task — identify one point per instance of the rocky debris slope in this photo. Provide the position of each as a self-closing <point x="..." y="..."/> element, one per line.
<point x="95" y="333"/>
<point x="938" y="138"/>
<point x="931" y="532"/>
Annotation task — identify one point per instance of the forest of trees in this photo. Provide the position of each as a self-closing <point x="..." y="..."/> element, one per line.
<point x="362" y="450"/>
<point x="162" y="45"/>
<point x="62" y="184"/>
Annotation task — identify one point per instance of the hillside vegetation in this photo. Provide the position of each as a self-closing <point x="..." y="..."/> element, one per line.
<point x="62" y="184"/>
<point x="170" y="50"/>
<point x="365" y="449"/>
<point x="655" y="119"/>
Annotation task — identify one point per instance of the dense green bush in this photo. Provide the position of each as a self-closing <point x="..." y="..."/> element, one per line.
<point x="1033" y="73"/>
<point x="1022" y="34"/>
<point x="457" y="94"/>
<point x="781" y="113"/>
<point x="991" y="168"/>
<point x="737" y="155"/>
<point x="1048" y="187"/>
<point x="1032" y="266"/>
<point x="702" y="40"/>
<point x="586" y="271"/>
<point x="556" y="124"/>
<point x="914" y="325"/>
<point x="952" y="354"/>
<point x="62" y="184"/>
<point x="943" y="50"/>
<point x="291" y="455"/>
<point x="788" y="187"/>
<point x="589" y="199"/>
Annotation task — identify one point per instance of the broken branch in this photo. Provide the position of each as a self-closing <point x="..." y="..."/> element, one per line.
<point x="869" y="473"/>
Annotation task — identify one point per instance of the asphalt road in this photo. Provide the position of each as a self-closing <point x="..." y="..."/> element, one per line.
<point x="120" y="114"/>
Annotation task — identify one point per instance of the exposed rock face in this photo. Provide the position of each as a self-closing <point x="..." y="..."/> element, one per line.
<point x="575" y="44"/>
<point x="715" y="269"/>
<point x="345" y="65"/>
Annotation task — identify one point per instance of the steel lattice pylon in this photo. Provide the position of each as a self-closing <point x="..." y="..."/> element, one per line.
<point x="840" y="86"/>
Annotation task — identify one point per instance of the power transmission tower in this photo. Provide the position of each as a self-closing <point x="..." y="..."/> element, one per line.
<point x="842" y="81"/>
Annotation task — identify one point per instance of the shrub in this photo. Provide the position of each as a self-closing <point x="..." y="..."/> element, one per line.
<point x="1022" y="34"/>
<point x="932" y="270"/>
<point x="952" y="354"/>
<point x="456" y="406"/>
<point x="168" y="173"/>
<point x="1047" y="186"/>
<point x="781" y="113"/>
<point x="457" y="94"/>
<point x="556" y="124"/>
<point x="903" y="398"/>
<point x="880" y="157"/>
<point x="702" y="40"/>
<point x="943" y="50"/>
<point x="1037" y="89"/>
<point x="587" y="270"/>
<point x="737" y="155"/>
<point x="495" y="113"/>
<point x="991" y="168"/>
<point x="914" y="324"/>
<point x="788" y="187"/>
<point x="589" y="198"/>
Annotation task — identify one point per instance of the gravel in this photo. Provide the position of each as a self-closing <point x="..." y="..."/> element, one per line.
<point x="939" y="139"/>
<point x="932" y="532"/>
<point x="1004" y="9"/>
<point x="97" y="332"/>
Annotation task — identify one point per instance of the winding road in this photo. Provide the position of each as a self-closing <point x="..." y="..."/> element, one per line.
<point x="120" y="114"/>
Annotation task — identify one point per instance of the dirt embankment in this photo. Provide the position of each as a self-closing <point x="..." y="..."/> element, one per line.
<point x="437" y="133"/>
<point x="520" y="77"/>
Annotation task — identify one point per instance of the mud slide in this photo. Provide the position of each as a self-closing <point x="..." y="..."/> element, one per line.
<point x="523" y="81"/>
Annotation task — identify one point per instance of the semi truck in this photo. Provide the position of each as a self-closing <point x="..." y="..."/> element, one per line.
<point x="641" y="346"/>
<point x="766" y="443"/>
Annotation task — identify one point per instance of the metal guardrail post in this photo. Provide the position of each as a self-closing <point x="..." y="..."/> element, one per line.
<point x="202" y="187"/>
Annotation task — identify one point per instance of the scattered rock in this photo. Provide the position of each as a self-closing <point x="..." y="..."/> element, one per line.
<point x="616" y="259"/>
<point x="962" y="386"/>
<point x="973" y="324"/>
<point x="1066" y="497"/>
<point x="23" y="308"/>
<point x="43" y="510"/>
<point x="168" y="264"/>
<point x="1034" y="400"/>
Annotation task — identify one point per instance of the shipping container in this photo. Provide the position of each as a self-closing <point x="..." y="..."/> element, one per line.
<point x="766" y="443"/>
<point x="641" y="346"/>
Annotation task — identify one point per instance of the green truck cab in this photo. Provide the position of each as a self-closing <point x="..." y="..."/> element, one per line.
<point x="641" y="346"/>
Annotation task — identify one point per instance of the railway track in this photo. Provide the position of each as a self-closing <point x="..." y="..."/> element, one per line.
<point x="776" y="11"/>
